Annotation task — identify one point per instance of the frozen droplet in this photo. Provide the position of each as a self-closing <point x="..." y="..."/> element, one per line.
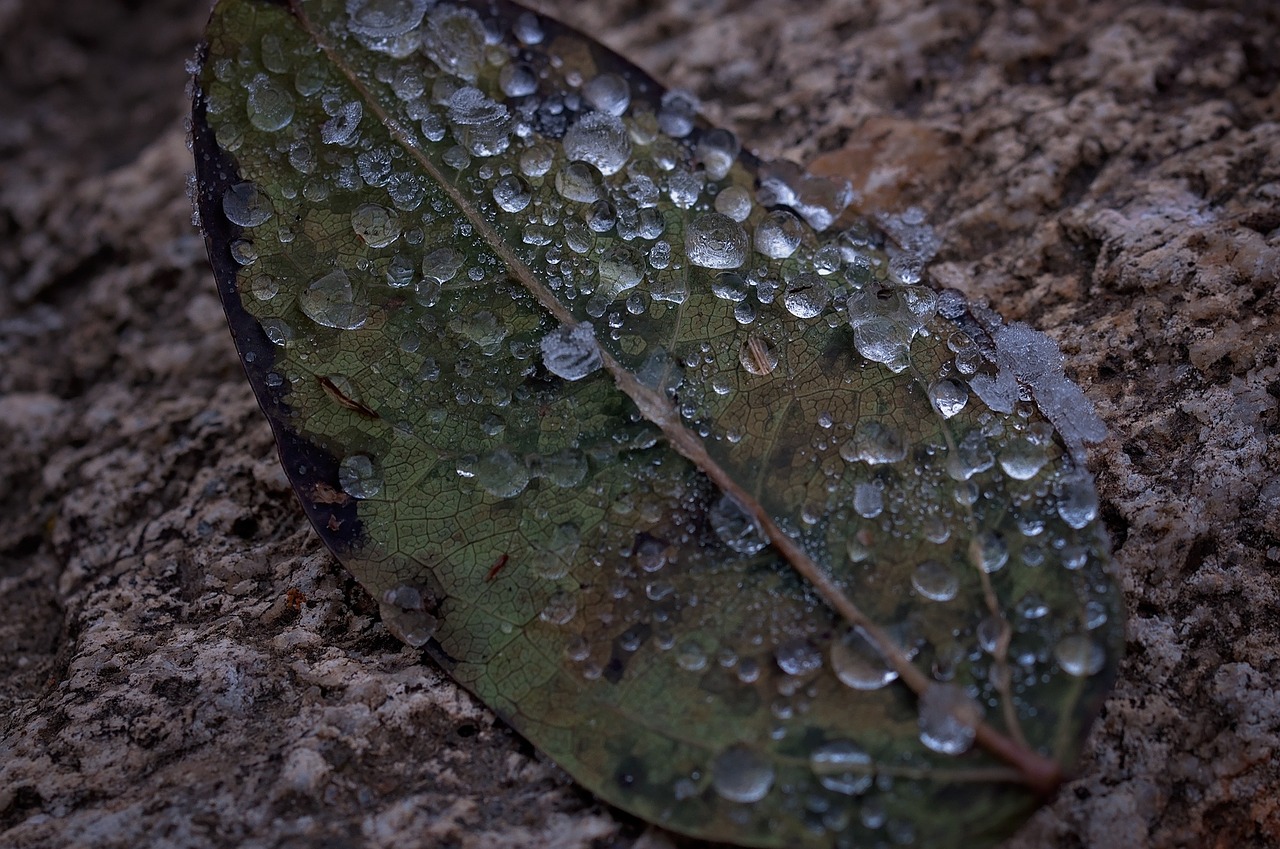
<point x="972" y="455"/>
<point x="480" y="125"/>
<point x="874" y="443"/>
<point x="882" y="341"/>
<point x="988" y="551"/>
<point x="677" y="113"/>
<point x="948" y="397"/>
<point x="948" y="719"/>
<point x="806" y="296"/>
<point x="341" y="129"/>
<point x="735" y="202"/>
<point x="511" y="193"/>
<point x="778" y="234"/>
<point x="935" y="581"/>
<point x="713" y="240"/>
<point x="246" y="205"/>
<point x="868" y="500"/>
<point x="608" y="93"/>
<point x="244" y="252"/>
<point x="358" y="476"/>
<point x="842" y="766"/>
<point x="734" y="527"/>
<point x="536" y="160"/>
<point x="1080" y="656"/>
<point x="560" y="608"/>
<point x="330" y="301"/>
<point x="384" y="18"/>
<point x="581" y="182"/>
<point x="684" y="188"/>
<point x="730" y="286"/>
<point x="858" y="664"/>
<point x="599" y="138"/>
<point x="717" y="149"/>
<point x="270" y="104"/>
<point x="377" y="225"/>
<point x="517" y="79"/>
<point x="1022" y="458"/>
<point x="740" y="774"/>
<point x="1077" y="500"/>
<point x="454" y="39"/>
<point x="571" y="351"/>
<point x="502" y="474"/>
<point x="798" y="657"/>
<point x="758" y="355"/>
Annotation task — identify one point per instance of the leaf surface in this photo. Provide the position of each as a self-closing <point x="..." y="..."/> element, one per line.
<point x="755" y="534"/>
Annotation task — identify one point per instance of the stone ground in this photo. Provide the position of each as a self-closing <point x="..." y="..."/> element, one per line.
<point x="182" y="665"/>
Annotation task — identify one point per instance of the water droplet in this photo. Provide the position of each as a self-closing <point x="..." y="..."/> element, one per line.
<point x="581" y="182"/>
<point x="571" y="352"/>
<point x="948" y="719"/>
<point x="454" y="39"/>
<point x="842" y="766"/>
<point x="868" y="500"/>
<point x="734" y="527"/>
<point x="384" y="18"/>
<point x="988" y="551"/>
<point x="247" y="205"/>
<point x="511" y="193"/>
<point x="858" y="664"/>
<point x="502" y="474"/>
<point x="599" y="138"/>
<point x="377" y="225"/>
<point x="730" y="286"/>
<point x="875" y="443"/>
<point x="341" y="128"/>
<point x="735" y="202"/>
<point x="684" y="188"/>
<point x="713" y="240"/>
<point x="935" y="581"/>
<point x="806" y="296"/>
<point x="270" y="104"/>
<point x="691" y="657"/>
<point x="678" y="112"/>
<point x="798" y="657"/>
<point x="1077" y="500"/>
<point x="560" y="609"/>
<point x="882" y="341"/>
<point x="778" y="234"/>
<point x="565" y="468"/>
<point x="1022" y="458"/>
<point x="758" y="356"/>
<point x="609" y="93"/>
<point x="740" y="774"/>
<point x="717" y="149"/>
<point x="330" y="301"/>
<point x="480" y="124"/>
<point x="948" y="397"/>
<point x="536" y="160"/>
<point x="358" y="477"/>
<point x="517" y="79"/>
<point x="1079" y="656"/>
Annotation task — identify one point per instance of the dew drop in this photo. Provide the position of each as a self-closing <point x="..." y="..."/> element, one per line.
<point x="341" y="128"/>
<point x="270" y="104"/>
<point x="376" y="225"/>
<point x="806" y="296"/>
<point x="330" y="302"/>
<point x="1022" y="459"/>
<point x="730" y="286"/>
<point x="536" y="160"/>
<point x="1079" y="656"/>
<point x="358" y="477"/>
<point x="511" y="193"/>
<point x="384" y="18"/>
<point x="858" y="664"/>
<point x="948" y="719"/>
<point x="608" y="93"/>
<point x="988" y="551"/>
<point x="560" y="609"/>
<point x="599" y="138"/>
<point x="580" y="181"/>
<point x="740" y="774"/>
<point x="758" y="356"/>
<point x="735" y="202"/>
<point x="517" y="79"/>
<point x="842" y="766"/>
<point x="454" y="39"/>
<point x="948" y="397"/>
<point x="246" y="205"/>
<point x="868" y="500"/>
<point x="713" y="240"/>
<point x="502" y="474"/>
<point x="1077" y="500"/>
<point x="874" y="443"/>
<point x="734" y="527"/>
<point x="691" y="657"/>
<point x="717" y="149"/>
<point x="677" y="113"/>
<point x="571" y="352"/>
<point x="935" y="581"/>
<point x="778" y="234"/>
<point x="798" y="657"/>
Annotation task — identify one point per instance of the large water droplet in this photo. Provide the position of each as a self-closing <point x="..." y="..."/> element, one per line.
<point x="454" y="39"/>
<point x="246" y="205"/>
<point x="735" y="202"/>
<point x="560" y="609"/>
<point x="935" y="581"/>
<point x="1077" y="500"/>
<point x="580" y="181"/>
<point x="875" y="443"/>
<point x="948" y="397"/>
<point x="511" y="193"/>
<point x="330" y="301"/>
<point x="601" y="139"/>
<point x="270" y="104"/>
<point x="798" y="657"/>
<point x="571" y="352"/>
<point x="989" y="551"/>
<point x="609" y="93"/>
<point x="868" y="500"/>
<point x="377" y="225"/>
<point x="740" y="774"/>
<point x="758" y="356"/>
<point x="678" y="112"/>
<point x="502" y="474"/>
<point x="842" y="766"/>
<point x="342" y="127"/>
<point x="713" y="240"/>
<point x="517" y="79"/>
<point x="858" y="664"/>
<point x="384" y="18"/>
<point x="948" y="719"/>
<point x="358" y="476"/>
<point x="717" y="149"/>
<point x="1022" y="458"/>
<point x="806" y="296"/>
<point x="778" y="234"/>
<point x="480" y="125"/>
<point x="1079" y="656"/>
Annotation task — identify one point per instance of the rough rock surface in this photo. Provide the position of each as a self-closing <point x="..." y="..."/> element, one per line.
<point x="181" y="665"/>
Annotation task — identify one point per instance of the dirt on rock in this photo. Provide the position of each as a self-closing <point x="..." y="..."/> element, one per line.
<point x="183" y="665"/>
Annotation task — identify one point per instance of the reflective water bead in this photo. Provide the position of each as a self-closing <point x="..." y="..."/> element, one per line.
<point x="342" y="127"/>
<point x="246" y="205"/>
<point x="735" y="202"/>
<point x="599" y="138"/>
<point x="358" y="476"/>
<point x="376" y="225"/>
<point x="713" y="240"/>
<point x="511" y="193"/>
<point x="571" y="352"/>
<point x="806" y="296"/>
<point x="330" y="301"/>
<point x="740" y="774"/>
<point x="948" y="397"/>
<point x="608" y="93"/>
<point x="858" y="664"/>
<point x="1080" y="656"/>
<point x="758" y="356"/>
<point x="517" y="79"/>
<point x="717" y="149"/>
<point x="842" y="766"/>
<point x="384" y="18"/>
<point x="270" y="105"/>
<point x="778" y="234"/>
<point x="678" y="111"/>
<point x="935" y="581"/>
<point x="948" y="719"/>
<point x="502" y="474"/>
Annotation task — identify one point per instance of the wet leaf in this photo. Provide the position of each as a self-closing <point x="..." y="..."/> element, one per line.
<point x="753" y="532"/>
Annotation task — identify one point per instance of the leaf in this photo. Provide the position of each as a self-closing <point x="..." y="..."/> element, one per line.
<point x="755" y="534"/>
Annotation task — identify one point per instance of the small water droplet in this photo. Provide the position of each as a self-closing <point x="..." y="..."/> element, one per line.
<point x="571" y="352"/>
<point x="599" y="138"/>
<point x="842" y="766"/>
<point x="806" y="296"/>
<point x="560" y="609"/>
<point x="330" y="301"/>
<point x="247" y="205"/>
<point x="778" y="234"/>
<point x="798" y="657"/>
<point x="581" y="182"/>
<point x="342" y="127"/>
<point x="609" y="93"/>
<point x="948" y="397"/>
<point x="734" y="527"/>
<point x="948" y="719"/>
<point x="868" y="500"/>
<point x="502" y="474"/>
<point x="758" y="356"/>
<point x="1077" y="500"/>
<point x="678" y="112"/>
<point x="377" y="225"/>
<point x="935" y="581"/>
<point x="740" y="774"/>
<point x="270" y="104"/>
<point x="384" y="18"/>
<point x="691" y="657"/>
<point x="517" y="79"/>
<point x="511" y="193"/>
<point x="358" y="476"/>
<point x="735" y="202"/>
<point x="1080" y="656"/>
<point x="858" y="664"/>
<point x="988" y="551"/>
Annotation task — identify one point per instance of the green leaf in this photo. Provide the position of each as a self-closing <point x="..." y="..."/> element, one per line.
<point x="753" y="532"/>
